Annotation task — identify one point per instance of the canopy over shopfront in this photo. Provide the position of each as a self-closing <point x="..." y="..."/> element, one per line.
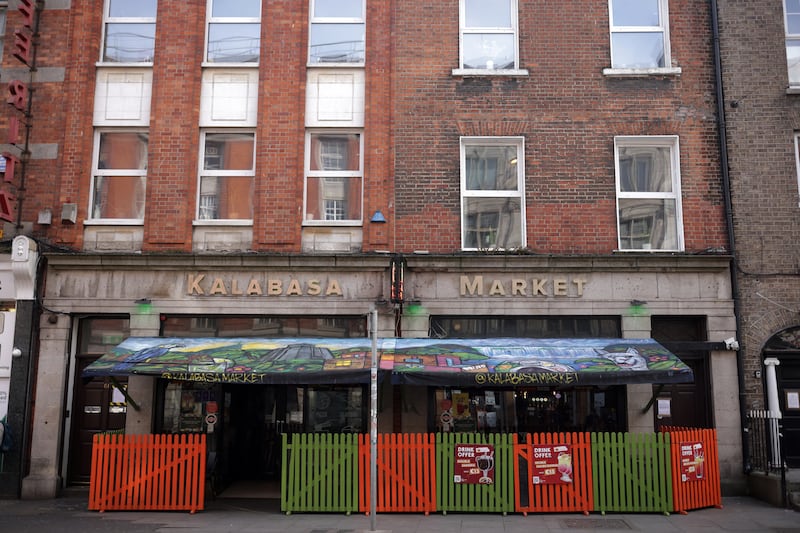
<point x="495" y="362"/>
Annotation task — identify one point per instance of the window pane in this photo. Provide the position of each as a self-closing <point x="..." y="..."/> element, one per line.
<point x="236" y="8"/>
<point x="793" y="24"/>
<point x="129" y="43"/>
<point x="488" y="51"/>
<point x="648" y="224"/>
<point x="233" y="43"/>
<point x="338" y="8"/>
<point x="492" y="223"/>
<point x="118" y="197"/>
<point x="120" y="151"/>
<point x="487" y="13"/>
<point x="226" y="197"/>
<point x="645" y="169"/>
<point x="126" y="8"/>
<point x="335" y="152"/>
<point x="333" y="199"/>
<point x="792" y="6"/>
<point x="635" y="13"/>
<point x="793" y="59"/>
<point x="337" y="43"/>
<point x="491" y="168"/>
<point x="638" y="50"/>
<point x="229" y="151"/>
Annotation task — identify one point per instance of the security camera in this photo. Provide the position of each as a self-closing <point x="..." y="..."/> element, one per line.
<point x="731" y="343"/>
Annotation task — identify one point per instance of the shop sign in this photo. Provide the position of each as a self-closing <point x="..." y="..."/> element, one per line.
<point x="203" y="285"/>
<point x="692" y="461"/>
<point x="474" y="464"/>
<point x="552" y="464"/>
<point x="522" y="287"/>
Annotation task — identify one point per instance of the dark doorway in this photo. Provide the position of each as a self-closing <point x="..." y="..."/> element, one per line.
<point x="785" y="347"/>
<point x="689" y="403"/>
<point x="95" y="409"/>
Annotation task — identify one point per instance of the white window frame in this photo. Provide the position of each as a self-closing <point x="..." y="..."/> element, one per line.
<point x="229" y="20"/>
<point x="203" y="172"/>
<point x="322" y="174"/>
<point x="463" y="29"/>
<point x="794" y="85"/>
<point x="797" y="162"/>
<point x="663" y="28"/>
<point x="3" y="22"/>
<point x="651" y="141"/>
<point x="519" y="144"/>
<point x="337" y="20"/>
<point x="98" y="172"/>
<point x="108" y="19"/>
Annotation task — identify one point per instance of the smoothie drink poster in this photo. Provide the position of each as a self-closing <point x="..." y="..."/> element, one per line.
<point x="693" y="459"/>
<point x="552" y="464"/>
<point x="474" y="463"/>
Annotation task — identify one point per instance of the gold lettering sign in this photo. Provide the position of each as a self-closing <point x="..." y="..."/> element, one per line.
<point x="204" y="285"/>
<point x="556" y="287"/>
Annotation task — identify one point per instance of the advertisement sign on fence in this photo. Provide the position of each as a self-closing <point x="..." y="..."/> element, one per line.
<point x="474" y="464"/>
<point x="552" y="464"/>
<point x="692" y="461"/>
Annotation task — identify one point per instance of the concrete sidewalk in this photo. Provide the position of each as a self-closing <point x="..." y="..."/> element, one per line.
<point x="70" y="513"/>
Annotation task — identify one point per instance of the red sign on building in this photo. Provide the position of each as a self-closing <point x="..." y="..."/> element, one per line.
<point x="692" y="461"/>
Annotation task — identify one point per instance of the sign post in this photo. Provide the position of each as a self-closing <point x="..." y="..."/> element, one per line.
<point x="373" y="425"/>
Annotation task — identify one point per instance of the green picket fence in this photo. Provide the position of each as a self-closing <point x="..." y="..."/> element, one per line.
<point x="631" y="472"/>
<point x="497" y="497"/>
<point x="319" y="472"/>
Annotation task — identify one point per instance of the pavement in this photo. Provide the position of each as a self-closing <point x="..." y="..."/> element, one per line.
<point x="70" y="513"/>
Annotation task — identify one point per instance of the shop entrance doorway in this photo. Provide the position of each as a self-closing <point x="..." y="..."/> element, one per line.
<point x="785" y="347"/>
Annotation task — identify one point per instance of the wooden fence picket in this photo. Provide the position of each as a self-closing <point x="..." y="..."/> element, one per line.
<point x="148" y="472"/>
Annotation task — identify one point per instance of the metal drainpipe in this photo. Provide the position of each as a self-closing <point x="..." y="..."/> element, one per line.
<point x="726" y="188"/>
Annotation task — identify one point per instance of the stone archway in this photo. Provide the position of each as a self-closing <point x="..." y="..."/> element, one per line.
<point x="785" y="347"/>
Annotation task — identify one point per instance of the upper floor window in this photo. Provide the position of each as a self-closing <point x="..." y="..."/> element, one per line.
<point x="797" y="158"/>
<point x="648" y="193"/>
<point x="492" y="193"/>
<point x="792" y="19"/>
<point x="129" y="31"/>
<point x="488" y="34"/>
<point x="336" y="34"/>
<point x="234" y="31"/>
<point x="334" y="165"/>
<point x="3" y="10"/>
<point x="226" y="176"/>
<point x="120" y="171"/>
<point x="639" y="34"/>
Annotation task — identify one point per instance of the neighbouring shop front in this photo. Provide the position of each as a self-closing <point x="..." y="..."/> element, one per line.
<point x="246" y="354"/>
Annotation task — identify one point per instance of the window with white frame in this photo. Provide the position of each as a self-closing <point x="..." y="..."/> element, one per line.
<point x="492" y="193"/>
<point x="488" y="34"/>
<point x="129" y="32"/>
<point x="797" y="159"/>
<point x="648" y="193"/>
<point x="119" y="176"/>
<point x="792" y="21"/>
<point x="234" y="31"/>
<point x="334" y="174"/>
<point x="3" y="11"/>
<point x="226" y="176"/>
<point x="337" y="32"/>
<point x="639" y="34"/>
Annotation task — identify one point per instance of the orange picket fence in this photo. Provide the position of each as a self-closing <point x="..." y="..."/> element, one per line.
<point x="695" y="468"/>
<point x="405" y="463"/>
<point x="148" y="472"/>
<point x="567" y="491"/>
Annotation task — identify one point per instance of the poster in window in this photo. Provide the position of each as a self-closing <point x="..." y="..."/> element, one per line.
<point x="552" y="464"/>
<point x="792" y="399"/>
<point x="692" y="461"/>
<point x="462" y="416"/>
<point x="191" y="419"/>
<point x="474" y="464"/>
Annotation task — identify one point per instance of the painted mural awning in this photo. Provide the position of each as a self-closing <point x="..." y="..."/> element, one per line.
<point x="496" y="362"/>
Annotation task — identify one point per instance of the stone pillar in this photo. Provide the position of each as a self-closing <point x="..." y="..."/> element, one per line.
<point x="774" y="407"/>
<point x="639" y="395"/>
<point x="141" y="389"/>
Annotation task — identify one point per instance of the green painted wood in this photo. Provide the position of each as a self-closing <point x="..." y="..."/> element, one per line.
<point x="319" y="473"/>
<point x="497" y="497"/>
<point x="632" y="472"/>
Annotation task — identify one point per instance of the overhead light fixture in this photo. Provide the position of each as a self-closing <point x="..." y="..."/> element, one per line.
<point x="378" y="217"/>
<point x="143" y="301"/>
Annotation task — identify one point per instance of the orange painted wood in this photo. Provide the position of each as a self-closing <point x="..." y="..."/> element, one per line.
<point x="405" y="466"/>
<point x="148" y="472"/>
<point x="695" y="494"/>
<point x="553" y="498"/>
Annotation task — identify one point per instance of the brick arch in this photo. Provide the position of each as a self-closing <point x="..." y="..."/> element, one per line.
<point x="767" y="326"/>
